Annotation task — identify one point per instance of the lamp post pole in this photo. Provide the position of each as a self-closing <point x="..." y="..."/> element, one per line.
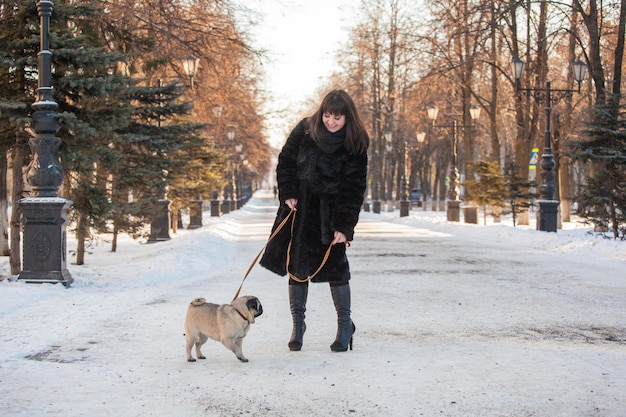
<point x="547" y="217"/>
<point x="406" y="200"/>
<point x="160" y="223"/>
<point x="190" y="66"/>
<point x="389" y="171"/>
<point x="44" y="214"/>
<point x="232" y="193"/>
<point x="237" y="175"/>
<point x="425" y="168"/>
<point x="405" y="204"/>
<point x="376" y="203"/>
<point x="454" y="203"/>
<point x="217" y="206"/>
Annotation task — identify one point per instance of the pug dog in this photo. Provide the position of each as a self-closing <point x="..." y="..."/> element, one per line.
<point x="226" y="323"/>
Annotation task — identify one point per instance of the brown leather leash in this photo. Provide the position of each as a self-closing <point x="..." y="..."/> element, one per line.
<point x="291" y="214"/>
<point x="310" y="277"/>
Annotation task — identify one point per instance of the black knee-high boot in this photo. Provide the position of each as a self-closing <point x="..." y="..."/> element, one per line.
<point x="345" y="326"/>
<point x="297" y="304"/>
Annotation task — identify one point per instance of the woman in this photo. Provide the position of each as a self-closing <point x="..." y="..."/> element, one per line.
<point x="322" y="176"/>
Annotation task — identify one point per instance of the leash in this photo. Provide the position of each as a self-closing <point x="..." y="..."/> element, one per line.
<point x="256" y="258"/>
<point x="291" y="214"/>
<point x="310" y="277"/>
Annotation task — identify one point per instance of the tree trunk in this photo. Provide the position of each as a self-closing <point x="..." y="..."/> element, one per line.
<point x="564" y="172"/>
<point x="596" y="69"/>
<point x="4" y="206"/>
<point x="493" y="105"/>
<point x="174" y="219"/>
<point x="16" y="226"/>
<point x="619" y="50"/>
<point x="114" y="240"/>
<point x="81" y="237"/>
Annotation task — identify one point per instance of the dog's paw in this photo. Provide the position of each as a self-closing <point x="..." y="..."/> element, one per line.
<point x="191" y="360"/>
<point x="242" y="359"/>
<point x="201" y="357"/>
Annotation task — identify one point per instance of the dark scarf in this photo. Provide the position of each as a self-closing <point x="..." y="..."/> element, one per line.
<point x="329" y="142"/>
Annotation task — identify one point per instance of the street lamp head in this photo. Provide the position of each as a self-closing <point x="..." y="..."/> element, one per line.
<point x="433" y="111"/>
<point x="580" y="69"/>
<point x="474" y="112"/>
<point x="518" y="68"/>
<point x="230" y="133"/>
<point x="420" y="136"/>
<point x="190" y="65"/>
<point x="217" y="111"/>
<point x="388" y="136"/>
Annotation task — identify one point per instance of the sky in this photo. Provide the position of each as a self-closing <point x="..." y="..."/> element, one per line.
<point x="301" y="37"/>
<point x="452" y="319"/>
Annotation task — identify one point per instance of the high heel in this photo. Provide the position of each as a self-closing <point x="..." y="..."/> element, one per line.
<point x="297" y="304"/>
<point x="345" y="326"/>
<point x="337" y="346"/>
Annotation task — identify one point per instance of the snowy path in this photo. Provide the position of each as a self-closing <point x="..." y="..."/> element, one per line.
<point x="451" y="321"/>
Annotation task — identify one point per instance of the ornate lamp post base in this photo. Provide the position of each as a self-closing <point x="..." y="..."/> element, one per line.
<point x="405" y="203"/>
<point x="404" y="208"/>
<point x="453" y="211"/>
<point x="195" y="215"/>
<point x="376" y="204"/>
<point x="226" y="206"/>
<point x="216" y="207"/>
<point x="547" y="216"/>
<point x="160" y="226"/>
<point x="44" y="221"/>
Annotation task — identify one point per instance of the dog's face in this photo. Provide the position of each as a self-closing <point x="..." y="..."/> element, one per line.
<point x="253" y="305"/>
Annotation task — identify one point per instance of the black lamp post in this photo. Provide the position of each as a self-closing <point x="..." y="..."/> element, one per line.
<point x="216" y="203"/>
<point x="405" y="202"/>
<point x="242" y="197"/>
<point x="160" y="223"/>
<point x="190" y="66"/>
<point x="453" y="203"/>
<point x="230" y="202"/>
<point x="236" y="173"/>
<point x="548" y="206"/>
<point x="388" y="170"/>
<point x="44" y="214"/>
<point x="376" y="203"/>
<point x="420" y="136"/>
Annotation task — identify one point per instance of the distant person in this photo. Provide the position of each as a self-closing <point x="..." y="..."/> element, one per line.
<point x="321" y="173"/>
<point x="275" y="191"/>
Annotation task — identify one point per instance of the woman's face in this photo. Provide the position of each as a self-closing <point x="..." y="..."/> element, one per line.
<point x="334" y="122"/>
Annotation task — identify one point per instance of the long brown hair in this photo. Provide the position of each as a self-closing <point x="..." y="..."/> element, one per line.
<point x="338" y="102"/>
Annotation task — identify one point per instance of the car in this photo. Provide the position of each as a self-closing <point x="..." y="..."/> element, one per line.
<point x="416" y="197"/>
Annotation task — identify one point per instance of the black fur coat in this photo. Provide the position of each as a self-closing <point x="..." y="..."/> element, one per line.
<point x="329" y="184"/>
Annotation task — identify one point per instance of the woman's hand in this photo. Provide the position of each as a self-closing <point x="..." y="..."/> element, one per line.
<point x="339" y="238"/>
<point x="292" y="203"/>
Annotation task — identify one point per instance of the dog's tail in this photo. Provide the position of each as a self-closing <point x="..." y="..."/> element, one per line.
<point x="198" y="301"/>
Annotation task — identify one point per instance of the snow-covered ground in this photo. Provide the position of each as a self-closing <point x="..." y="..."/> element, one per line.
<point x="452" y="319"/>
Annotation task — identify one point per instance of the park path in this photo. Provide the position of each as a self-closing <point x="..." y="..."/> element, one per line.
<point x="448" y="324"/>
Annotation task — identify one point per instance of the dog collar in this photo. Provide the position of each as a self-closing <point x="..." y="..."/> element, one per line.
<point x="240" y="313"/>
